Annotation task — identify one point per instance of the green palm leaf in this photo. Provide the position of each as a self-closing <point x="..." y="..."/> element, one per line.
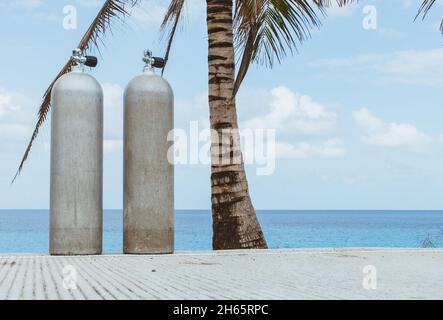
<point x="266" y="30"/>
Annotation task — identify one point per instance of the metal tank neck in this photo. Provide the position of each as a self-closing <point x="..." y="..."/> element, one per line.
<point x="152" y="62"/>
<point x="80" y="61"/>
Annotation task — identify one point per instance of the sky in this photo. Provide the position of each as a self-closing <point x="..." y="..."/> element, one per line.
<point x="357" y="112"/>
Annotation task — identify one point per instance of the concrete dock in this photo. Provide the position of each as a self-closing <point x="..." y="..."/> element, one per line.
<point x="269" y="274"/>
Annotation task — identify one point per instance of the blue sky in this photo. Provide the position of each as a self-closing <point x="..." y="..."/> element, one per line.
<point x="357" y="112"/>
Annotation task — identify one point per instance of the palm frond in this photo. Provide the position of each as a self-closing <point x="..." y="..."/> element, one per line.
<point x="94" y="34"/>
<point x="265" y="30"/>
<point x="171" y="22"/>
<point x="246" y="19"/>
<point x="424" y="9"/>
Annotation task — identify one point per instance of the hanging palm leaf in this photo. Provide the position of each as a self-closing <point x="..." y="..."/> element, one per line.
<point x="173" y="16"/>
<point x="424" y="9"/>
<point x="266" y="30"/>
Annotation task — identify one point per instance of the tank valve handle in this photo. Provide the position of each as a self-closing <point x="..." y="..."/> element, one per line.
<point x="152" y="62"/>
<point x="81" y="60"/>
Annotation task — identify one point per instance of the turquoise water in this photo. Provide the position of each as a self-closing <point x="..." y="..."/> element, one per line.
<point x="27" y="230"/>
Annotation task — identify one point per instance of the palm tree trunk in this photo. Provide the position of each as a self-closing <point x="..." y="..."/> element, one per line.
<point x="235" y="224"/>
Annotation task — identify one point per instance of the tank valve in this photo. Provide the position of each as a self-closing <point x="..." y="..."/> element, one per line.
<point x="81" y="60"/>
<point x="152" y="62"/>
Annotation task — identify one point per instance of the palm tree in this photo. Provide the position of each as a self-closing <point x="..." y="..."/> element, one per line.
<point x="261" y="31"/>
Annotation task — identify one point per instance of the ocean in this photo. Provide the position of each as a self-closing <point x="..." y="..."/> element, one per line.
<point x="27" y="230"/>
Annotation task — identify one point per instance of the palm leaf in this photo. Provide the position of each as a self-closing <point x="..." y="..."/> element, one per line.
<point x="171" y="22"/>
<point x="266" y="30"/>
<point x="424" y="9"/>
<point x="111" y="9"/>
<point x="246" y="20"/>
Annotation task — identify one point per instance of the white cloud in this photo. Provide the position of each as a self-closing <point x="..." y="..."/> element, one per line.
<point x="414" y="67"/>
<point x="420" y="67"/>
<point x="364" y="118"/>
<point x="6" y="103"/>
<point x="304" y="127"/>
<point x="293" y="114"/>
<point x="381" y="133"/>
<point x="330" y="149"/>
<point x="15" y="118"/>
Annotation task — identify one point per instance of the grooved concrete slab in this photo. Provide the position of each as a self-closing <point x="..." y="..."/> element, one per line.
<point x="268" y="274"/>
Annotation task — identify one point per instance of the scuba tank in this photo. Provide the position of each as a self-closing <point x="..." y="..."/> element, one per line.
<point x="76" y="206"/>
<point x="148" y="176"/>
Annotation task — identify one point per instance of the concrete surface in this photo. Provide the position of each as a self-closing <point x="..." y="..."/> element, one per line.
<point x="270" y="274"/>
